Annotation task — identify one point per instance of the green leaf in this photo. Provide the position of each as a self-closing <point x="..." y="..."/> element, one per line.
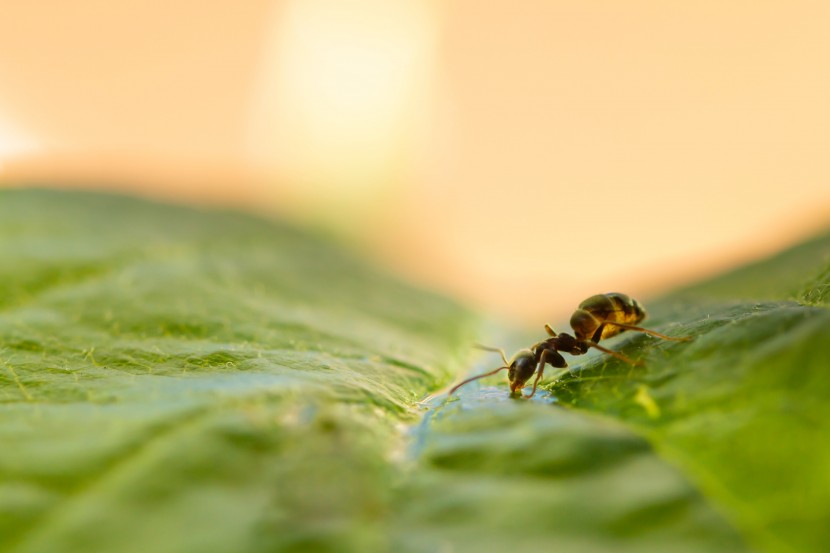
<point x="742" y="409"/>
<point x="175" y="379"/>
<point x="788" y="275"/>
<point x="500" y="475"/>
<point x="718" y="444"/>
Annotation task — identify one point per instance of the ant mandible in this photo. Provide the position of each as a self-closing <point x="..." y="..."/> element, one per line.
<point x="599" y="317"/>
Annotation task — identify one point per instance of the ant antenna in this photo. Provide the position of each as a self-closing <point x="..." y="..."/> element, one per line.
<point x="495" y="350"/>
<point x="457" y="386"/>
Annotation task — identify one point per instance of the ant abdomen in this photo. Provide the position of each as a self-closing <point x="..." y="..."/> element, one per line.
<point x="591" y="319"/>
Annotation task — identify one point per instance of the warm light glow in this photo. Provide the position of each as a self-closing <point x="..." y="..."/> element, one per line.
<point x="14" y="143"/>
<point x="341" y="93"/>
<point x="517" y="155"/>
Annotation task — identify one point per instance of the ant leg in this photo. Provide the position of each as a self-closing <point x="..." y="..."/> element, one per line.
<point x="457" y="386"/>
<point x="549" y="330"/>
<point x="598" y="333"/>
<point x="616" y="354"/>
<point x="557" y="361"/>
<point x="538" y="377"/>
<point x="496" y="350"/>
<point x="651" y="332"/>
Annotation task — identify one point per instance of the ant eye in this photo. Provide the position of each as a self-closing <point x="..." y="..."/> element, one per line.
<point x="511" y="374"/>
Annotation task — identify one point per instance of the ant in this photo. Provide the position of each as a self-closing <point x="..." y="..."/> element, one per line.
<point x="598" y="317"/>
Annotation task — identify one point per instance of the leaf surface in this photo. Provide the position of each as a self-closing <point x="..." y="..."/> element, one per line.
<point x="176" y="379"/>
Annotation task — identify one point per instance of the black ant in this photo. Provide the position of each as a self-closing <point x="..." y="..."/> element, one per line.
<point x="599" y="317"/>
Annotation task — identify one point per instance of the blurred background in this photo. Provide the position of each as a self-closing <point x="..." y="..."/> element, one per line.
<point x="518" y="156"/>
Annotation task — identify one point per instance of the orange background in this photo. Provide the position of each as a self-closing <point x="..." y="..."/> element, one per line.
<point x="518" y="155"/>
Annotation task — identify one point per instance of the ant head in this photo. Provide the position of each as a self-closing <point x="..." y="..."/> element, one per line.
<point x="522" y="367"/>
